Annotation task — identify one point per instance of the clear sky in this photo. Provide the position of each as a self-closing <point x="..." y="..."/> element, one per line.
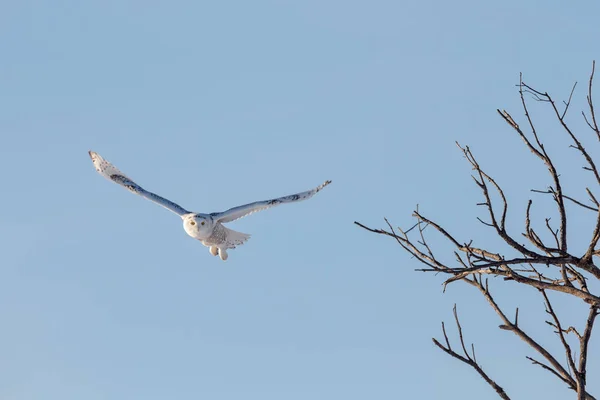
<point x="215" y="104"/>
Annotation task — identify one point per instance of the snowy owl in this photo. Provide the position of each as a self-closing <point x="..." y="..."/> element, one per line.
<point x="207" y="228"/>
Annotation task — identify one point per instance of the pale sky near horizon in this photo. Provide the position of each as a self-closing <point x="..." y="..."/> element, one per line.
<point x="216" y="104"/>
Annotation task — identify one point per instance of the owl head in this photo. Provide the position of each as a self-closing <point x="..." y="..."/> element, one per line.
<point x="198" y="226"/>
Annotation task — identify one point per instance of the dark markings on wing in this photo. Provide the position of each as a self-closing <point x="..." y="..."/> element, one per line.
<point x="285" y="199"/>
<point x="137" y="189"/>
<point x="238" y="212"/>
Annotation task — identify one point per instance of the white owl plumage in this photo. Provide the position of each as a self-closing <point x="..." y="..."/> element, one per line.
<point x="207" y="228"/>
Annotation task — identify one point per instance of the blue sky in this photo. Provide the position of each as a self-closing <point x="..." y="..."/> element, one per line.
<point x="215" y="104"/>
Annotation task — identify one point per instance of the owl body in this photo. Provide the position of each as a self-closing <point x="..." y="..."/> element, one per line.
<point x="206" y="228"/>
<point x="218" y="237"/>
<point x="213" y="235"/>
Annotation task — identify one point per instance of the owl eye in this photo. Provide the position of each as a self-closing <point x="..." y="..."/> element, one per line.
<point x="192" y="223"/>
<point x="202" y="222"/>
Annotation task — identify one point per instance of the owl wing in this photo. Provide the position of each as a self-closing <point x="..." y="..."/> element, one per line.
<point x="241" y="211"/>
<point x="109" y="171"/>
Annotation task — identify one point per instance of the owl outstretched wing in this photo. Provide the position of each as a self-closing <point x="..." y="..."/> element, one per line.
<point x="241" y="211"/>
<point x="109" y="171"/>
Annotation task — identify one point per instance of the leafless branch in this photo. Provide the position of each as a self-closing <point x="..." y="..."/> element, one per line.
<point x="579" y="203"/>
<point x="559" y="330"/>
<point x="593" y="125"/>
<point x="467" y="358"/>
<point x="548" y="266"/>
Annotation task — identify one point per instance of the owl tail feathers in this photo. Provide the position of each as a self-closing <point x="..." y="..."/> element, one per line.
<point x="235" y="238"/>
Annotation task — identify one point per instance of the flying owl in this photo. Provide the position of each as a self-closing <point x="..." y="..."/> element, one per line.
<point x="207" y="228"/>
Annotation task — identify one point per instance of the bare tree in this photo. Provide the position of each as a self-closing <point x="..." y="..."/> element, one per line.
<point x="547" y="265"/>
